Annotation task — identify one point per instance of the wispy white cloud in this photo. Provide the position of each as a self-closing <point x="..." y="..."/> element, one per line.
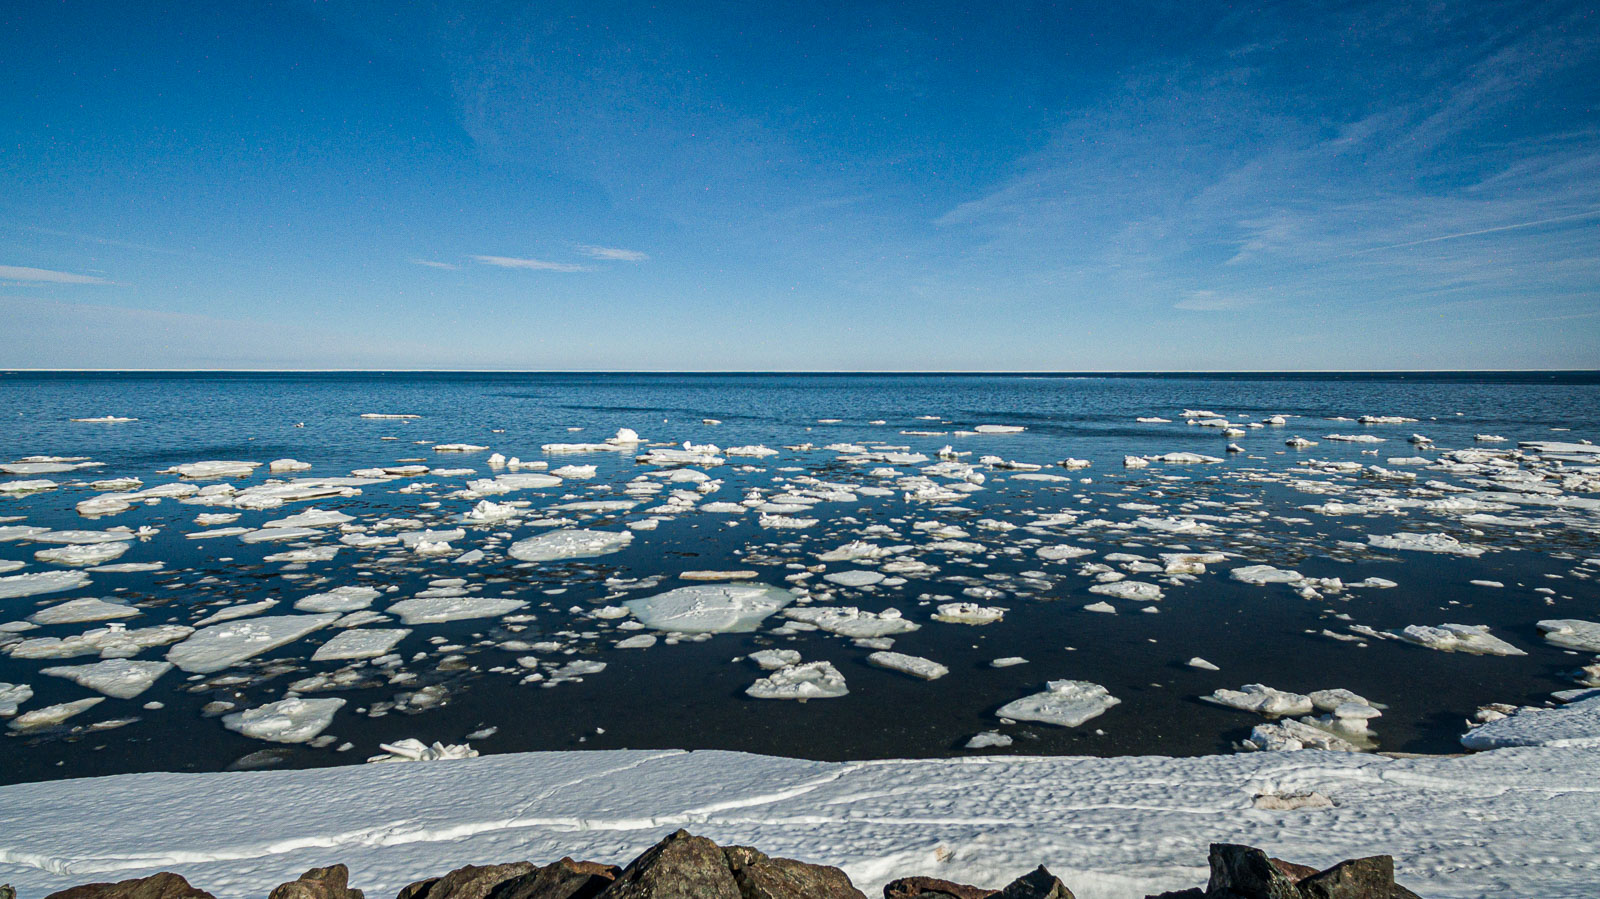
<point x="612" y="254"/>
<point x="536" y="264"/>
<point x="46" y="276"/>
<point x="434" y="264"/>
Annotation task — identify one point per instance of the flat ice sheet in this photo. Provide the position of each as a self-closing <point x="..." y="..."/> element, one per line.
<point x="219" y="646"/>
<point x="709" y="609"/>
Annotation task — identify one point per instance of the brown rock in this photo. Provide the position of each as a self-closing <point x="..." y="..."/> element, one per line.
<point x="1037" y="884"/>
<point x="565" y="879"/>
<point x="319" y="883"/>
<point x="471" y="882"/>
<point x="1357" y="878"/>
<point x="679" y="867"/>
<point x="1291" y="870"/>
<point x="165" y="885"/>
<point x="933" y="888"/>
<point x="760" y="877"/>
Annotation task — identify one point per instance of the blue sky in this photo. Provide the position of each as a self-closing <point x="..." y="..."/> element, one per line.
<point x="923" y="186"/>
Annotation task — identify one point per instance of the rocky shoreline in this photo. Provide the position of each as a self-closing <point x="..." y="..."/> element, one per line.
<point x="684" y="866"/>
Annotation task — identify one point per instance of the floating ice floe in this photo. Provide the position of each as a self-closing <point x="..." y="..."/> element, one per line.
<point x="1432" y="543"/>
<point x="439" y="609"/>
<point x="810" y="680"/>
<point x="1572" y="633"/>
<point x="848" y="621"/>
<point x="968" y="613"/>
<point x="197" y="471"/>
<point x="242" y="610"/>
<point x="117" y="678"/>
<point x="773" y="659"/>
<point x="413" y="750"/>
<point x="1062" y="552"/>
<point x="51" y="715"/>
<point x="104" y="420"/>
<point x="856" y="578"/>
<point x="36" y="485"/>
<point x="81" y="554"/>
<point x="219" y="646"/>
<point x="1471" y="638"/>
<point x="285" y="721"/>
<point x="347" y="598"/>
<point x="1201" y="664"/>
<point x="916" y="666"/>
<point x="114" y="641"/>
<point x="12" y="696"/>
<point x="1137" y="591"/>
<point x="989" y="739"/>
<point x="1263" y="700"/>
<point x="999" y="429"/>
<point x="75" y="611"/>
<point x="709" y="609"/>
<point x="1261" y="575"/>
<point x="360" y="643"/>
<point x="1290" y="735"/>
<point x="569" y="543"/>
<point x="1067" y="703"/>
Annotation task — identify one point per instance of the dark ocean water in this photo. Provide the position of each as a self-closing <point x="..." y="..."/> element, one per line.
<point x="691" y="694"/>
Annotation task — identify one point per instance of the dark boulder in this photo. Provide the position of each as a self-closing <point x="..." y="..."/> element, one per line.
<point x="1244" y="872"/>
<point x="1357" y="878"/>
<point x="681" y="866"/>
<point x="565" y="879"/>
<point x="471" y="882"/>
<point x="933" y="888"/>
<point x="760" y="877"/>
<point x="319" y="883"/>
<point x="1036" y="884"/>
<point x="165" y="885"/>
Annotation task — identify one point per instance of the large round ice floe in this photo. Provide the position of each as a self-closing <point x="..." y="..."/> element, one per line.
<point x="710" y="608"/>
<point x="1067" y="703"/>
<point x="569" y="543"/>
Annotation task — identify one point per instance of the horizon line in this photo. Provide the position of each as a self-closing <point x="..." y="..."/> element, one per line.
<point x="804" y="371"/>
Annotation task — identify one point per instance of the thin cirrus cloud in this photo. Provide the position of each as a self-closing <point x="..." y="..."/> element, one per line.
<point x="430" y="263"/>
<point x="535" y="264"/>
<point x="612" y="254"/>
<point x="46" y="276"/>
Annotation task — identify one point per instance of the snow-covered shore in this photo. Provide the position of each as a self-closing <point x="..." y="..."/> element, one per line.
<point x="1513" y="822"/>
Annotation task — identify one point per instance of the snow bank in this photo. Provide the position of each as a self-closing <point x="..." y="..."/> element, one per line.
<point x="1117" y="828"/>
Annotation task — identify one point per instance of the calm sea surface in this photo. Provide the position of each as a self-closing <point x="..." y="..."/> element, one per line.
<point x="691" y="693"/>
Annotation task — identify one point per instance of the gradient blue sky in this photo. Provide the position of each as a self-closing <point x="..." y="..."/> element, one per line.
<point x="745" y="185"/>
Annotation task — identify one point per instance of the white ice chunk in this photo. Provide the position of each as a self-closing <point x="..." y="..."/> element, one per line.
<point x="1263" y="700"/>
<point x="704" y="609"/>
<point x="360" y="644"/>
<point x="812" y="680"/>
<point x="439" y="609"/>
<point x="848" y="621"/>
<point x="220" y="646"/>
<point x="1067" y="703"/>
<point x="74" y="611"/>
<point x="916" y="666"/>
<point x="285" y="721"/>
<point x="1572" y="633"/>
<point x="1471" y="638"/>
<point x="117" y="678"/>
<point x="51" y="715"/>
<point x="347" y="598"/>
<point x="569" y="543"/>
